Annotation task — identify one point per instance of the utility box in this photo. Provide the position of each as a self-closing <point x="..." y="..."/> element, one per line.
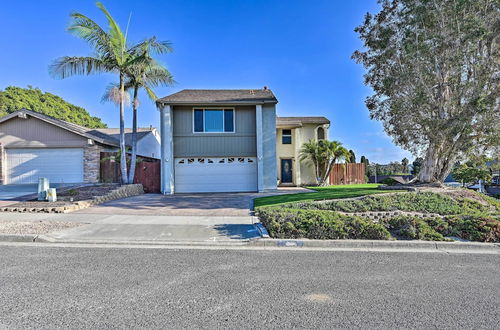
<point x="43" y="186"/>
<point x="52" y="195"/>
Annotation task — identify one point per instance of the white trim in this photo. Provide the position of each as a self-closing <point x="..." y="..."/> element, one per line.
<point x="223" y="123"/>
<point x="167" y="151"/>
<point x="260" y="147"/>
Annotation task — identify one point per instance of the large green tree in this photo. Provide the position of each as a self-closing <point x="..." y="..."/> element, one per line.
<point x="434" y="68"/>
<point x="110" y="55"/>
<point x="16" y="98"/>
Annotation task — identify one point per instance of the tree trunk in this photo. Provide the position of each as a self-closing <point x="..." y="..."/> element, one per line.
<point x="123" y="151"/>
<point x="134" y="137"/>
<point x="436" y="166"/>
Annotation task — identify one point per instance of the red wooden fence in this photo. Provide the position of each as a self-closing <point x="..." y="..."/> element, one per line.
<point x="147" y="171"/>
<point x="350" y="173"/>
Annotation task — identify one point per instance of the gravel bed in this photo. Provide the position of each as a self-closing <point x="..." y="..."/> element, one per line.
<point x="39" y="227"/>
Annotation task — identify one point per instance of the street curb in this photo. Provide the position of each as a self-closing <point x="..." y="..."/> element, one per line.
<point x="18" y="237"/>
<point x="48" y="239"/>
<point x="375" y="244"/>
<point x="262" y="230"/>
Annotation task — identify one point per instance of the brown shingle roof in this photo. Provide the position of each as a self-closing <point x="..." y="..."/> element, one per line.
<point x="220" y="96"/>
<point x="299" y="121"/>
<point x="108" y="136"/>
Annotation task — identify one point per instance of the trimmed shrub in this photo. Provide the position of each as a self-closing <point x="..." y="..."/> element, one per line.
<point x="318" y="224"/>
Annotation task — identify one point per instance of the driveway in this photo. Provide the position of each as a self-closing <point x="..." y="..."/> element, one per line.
<point x="220" y="204"/>
<point x="206" y="204"/>
<point x="17" y="191"/>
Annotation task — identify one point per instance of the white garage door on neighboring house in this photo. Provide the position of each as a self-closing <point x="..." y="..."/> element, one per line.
<point x="59" y="165"/>
<point x="212" y="174"/>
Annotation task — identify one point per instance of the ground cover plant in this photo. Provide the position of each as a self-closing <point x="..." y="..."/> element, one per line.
<point x="423" y="215"/>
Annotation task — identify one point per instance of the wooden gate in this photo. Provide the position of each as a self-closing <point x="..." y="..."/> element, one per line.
<point x="350" y="173"/>
<point x="148" y="174"/>
<point x="147" y="171"/>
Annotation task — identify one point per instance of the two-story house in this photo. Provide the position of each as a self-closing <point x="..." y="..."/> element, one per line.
<point x="291" y="134"/>
<point x="218" y="141"/>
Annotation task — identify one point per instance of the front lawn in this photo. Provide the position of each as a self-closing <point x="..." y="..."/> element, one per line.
<point x="321" y="193"/>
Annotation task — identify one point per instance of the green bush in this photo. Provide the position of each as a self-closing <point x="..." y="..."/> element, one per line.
<point x="318" y="224"/>
<point x="411" y="227"/>
<point x="479" y="228"/>
<point x="425" y="202"/>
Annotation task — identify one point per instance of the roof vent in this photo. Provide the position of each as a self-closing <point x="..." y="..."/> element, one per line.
<point x="265" y="88"/>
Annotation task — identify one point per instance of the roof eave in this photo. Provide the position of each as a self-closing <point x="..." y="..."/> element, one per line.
<point x="199" y="103"/>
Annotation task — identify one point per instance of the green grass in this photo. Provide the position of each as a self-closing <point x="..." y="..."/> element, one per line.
<point x="321" y="193"/>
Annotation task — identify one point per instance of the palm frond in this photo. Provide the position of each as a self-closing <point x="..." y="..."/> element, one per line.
<point x="113" y="94"/>
<point x="68" y="66"/>
<point x="117" y="39"/>
<point x="152" y="46"/>
<point x="85" y="28"/>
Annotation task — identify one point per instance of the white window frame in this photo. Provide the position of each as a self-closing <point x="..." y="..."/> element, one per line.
<point x="223" y="124"/>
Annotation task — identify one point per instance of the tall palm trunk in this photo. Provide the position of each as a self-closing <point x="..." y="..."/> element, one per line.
<point x="134" y="136"/>
<point x="123" y="151"/>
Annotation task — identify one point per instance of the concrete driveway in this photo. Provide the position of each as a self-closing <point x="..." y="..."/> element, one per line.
<point x="17" y="191"/>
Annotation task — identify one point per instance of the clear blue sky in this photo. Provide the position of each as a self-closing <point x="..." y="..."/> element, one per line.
<point x="300" y="49"/>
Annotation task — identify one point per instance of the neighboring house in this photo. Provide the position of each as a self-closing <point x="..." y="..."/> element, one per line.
<point x="34" y="145"/>
<point x="218" y="141"/>
<point x="148" y="139"/>
<point x="291" y="134"/>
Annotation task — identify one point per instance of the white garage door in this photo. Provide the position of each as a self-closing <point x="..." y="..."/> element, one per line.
<point x="229" y="174"/>
<point x="63" y="165"/>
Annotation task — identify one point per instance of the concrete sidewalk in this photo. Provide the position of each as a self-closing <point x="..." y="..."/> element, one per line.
<point x="99" y="228"/>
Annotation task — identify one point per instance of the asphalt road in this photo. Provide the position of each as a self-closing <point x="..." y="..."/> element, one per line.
<point x="50" y="288"/>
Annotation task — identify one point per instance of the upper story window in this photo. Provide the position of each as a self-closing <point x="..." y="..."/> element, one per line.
<point x="321" y="133"/>
<point x="213" y="120"/>
<point x="286" y="136"/>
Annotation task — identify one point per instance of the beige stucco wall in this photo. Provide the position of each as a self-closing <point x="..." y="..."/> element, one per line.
<point x="303" y="172"/>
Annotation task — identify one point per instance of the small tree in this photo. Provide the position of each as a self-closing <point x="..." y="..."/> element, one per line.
<point x="469" y="174"/>
<point x="417" y="165"/>
<point x="352" y="157"/>
<point x="323" y="155"/>
<point x="404" y="163"/>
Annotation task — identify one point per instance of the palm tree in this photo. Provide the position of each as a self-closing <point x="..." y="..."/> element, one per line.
<point x="111" y="55"/>
<point x="323" y="154"/>
<point x="146" y="75"/>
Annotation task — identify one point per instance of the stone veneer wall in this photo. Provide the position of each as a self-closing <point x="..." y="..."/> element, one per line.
<point x="91" y="163"/>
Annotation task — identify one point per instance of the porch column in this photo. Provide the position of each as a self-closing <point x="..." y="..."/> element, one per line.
<point x="260" y="148"/>
<point x="167" y="150"/>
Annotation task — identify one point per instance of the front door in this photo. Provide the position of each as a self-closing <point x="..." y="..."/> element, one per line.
<point x="286" y="171"/>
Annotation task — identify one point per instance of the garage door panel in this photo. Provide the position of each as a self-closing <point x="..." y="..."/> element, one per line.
<point x="63" y="165"/>
<point x="215" y="174"/>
